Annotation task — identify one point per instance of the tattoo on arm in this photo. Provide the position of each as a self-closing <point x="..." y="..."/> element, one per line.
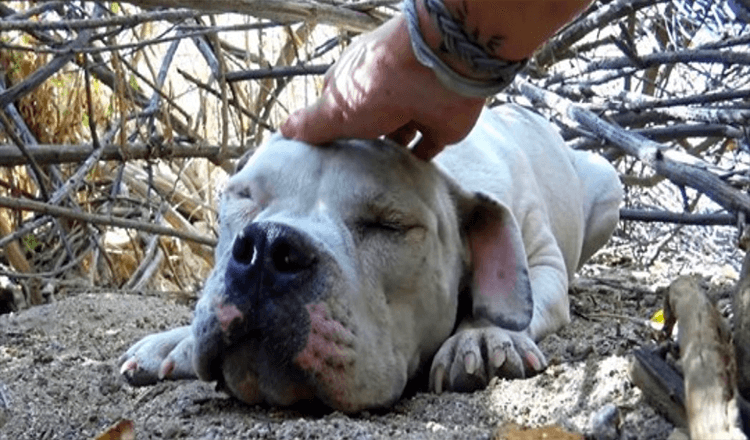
<point x="460" y="14"/>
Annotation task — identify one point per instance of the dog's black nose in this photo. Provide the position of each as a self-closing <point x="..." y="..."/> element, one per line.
<point x="268" y="259"/>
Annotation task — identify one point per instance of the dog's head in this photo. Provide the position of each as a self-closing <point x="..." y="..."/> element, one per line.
<point x="338" y="272"/>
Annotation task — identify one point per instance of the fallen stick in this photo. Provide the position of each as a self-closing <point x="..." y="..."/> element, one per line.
<point x="707" y="362"/>
<point x="660" y="384"/>
<point x="741" y="308"/>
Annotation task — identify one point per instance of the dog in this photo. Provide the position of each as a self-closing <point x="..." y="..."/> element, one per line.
<point x="345" y="270"/>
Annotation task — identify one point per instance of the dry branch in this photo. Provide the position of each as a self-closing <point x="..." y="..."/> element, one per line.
<point x="661" y="385"/>
<point x="632" y="63"/>
<point x="681" y="218"/>
<point x="19" y="262"/>
<point x="556" y="48"/>
<point x="172" y="216"/>
<point x="661" y="58"/>
<point x="44" y="208"/>
<point x="130" y="20"/>
<point x="282" y="11"/>
<point x="277" y="72"/>
<point x="46" y="154"/>
<point x="741" y="334"/>
<point x="683" y="171"/>
<point x="707" y="362"/>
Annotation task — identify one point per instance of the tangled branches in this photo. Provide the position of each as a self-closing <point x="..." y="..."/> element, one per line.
<point x="120" y="120"/>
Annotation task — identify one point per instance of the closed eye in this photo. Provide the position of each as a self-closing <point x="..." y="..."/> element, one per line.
<point x="381" y="226"/>
<point x="239" y="190"/>
<point x="243" y="192"/>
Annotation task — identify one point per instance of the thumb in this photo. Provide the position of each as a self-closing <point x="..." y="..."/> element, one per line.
<point x="318" y="123"/>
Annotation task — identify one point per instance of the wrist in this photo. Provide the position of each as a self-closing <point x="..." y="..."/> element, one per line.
<point x="459" y="60"/>
<point x="429" y="30"/>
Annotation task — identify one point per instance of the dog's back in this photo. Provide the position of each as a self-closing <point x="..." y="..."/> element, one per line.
<point x="517" y="156"/>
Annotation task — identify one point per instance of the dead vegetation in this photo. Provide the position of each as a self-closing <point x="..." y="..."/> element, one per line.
<point x="120" y="121"/>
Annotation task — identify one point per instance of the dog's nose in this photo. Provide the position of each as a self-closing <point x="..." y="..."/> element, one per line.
<point x="268" y="259"/>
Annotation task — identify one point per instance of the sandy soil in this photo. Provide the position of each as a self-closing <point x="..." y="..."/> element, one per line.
<point x="59" y="380"/>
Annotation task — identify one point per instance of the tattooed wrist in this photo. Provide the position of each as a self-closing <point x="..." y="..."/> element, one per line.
<point x="459" y="38"/>
<point x="487" y="73"/>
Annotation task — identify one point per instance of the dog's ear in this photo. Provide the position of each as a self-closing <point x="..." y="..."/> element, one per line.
<point x="500" y="289"/>
<point x="242" y="161"/>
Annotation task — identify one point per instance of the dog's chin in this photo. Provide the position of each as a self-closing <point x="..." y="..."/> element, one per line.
<point x="241" y="377"/>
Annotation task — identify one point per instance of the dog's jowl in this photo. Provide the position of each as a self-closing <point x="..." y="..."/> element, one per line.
<point x="343" y="271"/>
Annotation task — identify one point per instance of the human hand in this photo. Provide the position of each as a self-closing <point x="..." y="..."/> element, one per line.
<point x="377" y="87"/>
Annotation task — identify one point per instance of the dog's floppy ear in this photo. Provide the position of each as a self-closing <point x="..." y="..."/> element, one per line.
<point x="242" y="161"/>
<point x="500" y="286"/>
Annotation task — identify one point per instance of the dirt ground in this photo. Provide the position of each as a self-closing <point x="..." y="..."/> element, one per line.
<point x="59" y="379"/>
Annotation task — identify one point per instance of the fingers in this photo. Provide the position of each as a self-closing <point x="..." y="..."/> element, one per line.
<point x="404" y="134"/>
<point x="427" y="148"/>
<point x="316" y="124"/>
<point x="335" y="115"/>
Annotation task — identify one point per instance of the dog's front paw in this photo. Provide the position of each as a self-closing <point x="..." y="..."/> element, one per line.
<point x="160" y="356"/>
<point x="470" y="358"/>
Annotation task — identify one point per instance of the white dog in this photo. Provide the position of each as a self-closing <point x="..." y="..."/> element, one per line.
<point x="344" y="270"/>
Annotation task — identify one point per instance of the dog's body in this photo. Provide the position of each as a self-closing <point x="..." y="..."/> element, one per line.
<point x="344" y="270"/>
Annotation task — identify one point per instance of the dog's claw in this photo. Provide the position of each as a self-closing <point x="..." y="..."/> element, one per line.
<point x="533" y="363"/>
<point x="498" y="358"/>
<point x="157" y="357"/>
<point x="438" y="378"/>
<point x="470" y="363"/>
<point x="509" y="354"/>
<point x="128" y="366"/>
<point x="166" y="368"/>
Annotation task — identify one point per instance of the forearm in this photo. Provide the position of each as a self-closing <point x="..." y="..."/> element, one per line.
<point x="510" y="30"/>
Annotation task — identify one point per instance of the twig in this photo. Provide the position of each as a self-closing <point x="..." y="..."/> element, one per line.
<point x="39" y="176"/>
<point x="282" y="11"/>
<point x="638" y="321"/>
<point x="31" y="82"/>
<point x="49" y="275"/>
<point x="682" y="218"/>
<point x="654" y="155"/>
<point x="671" y="132"/>
<point x="585" y="24"/>
<point x="129" y="20"/>
<point x="232" y="101"/>
<point x="152" y="257"/>
<point x="278" y="72"/>
<point x="637" y="102"/>
<point x="57" y="154"/>
<point x="30" y="205"/>
<point x="660" y="58"/>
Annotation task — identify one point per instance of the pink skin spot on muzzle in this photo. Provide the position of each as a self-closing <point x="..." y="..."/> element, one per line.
<point x="328" y="355"/>
<point x="226" y="314"/>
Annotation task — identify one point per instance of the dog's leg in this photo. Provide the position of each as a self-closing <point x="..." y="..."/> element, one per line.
<point x="481" y="350"/>
<point x="160" y="356"/>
